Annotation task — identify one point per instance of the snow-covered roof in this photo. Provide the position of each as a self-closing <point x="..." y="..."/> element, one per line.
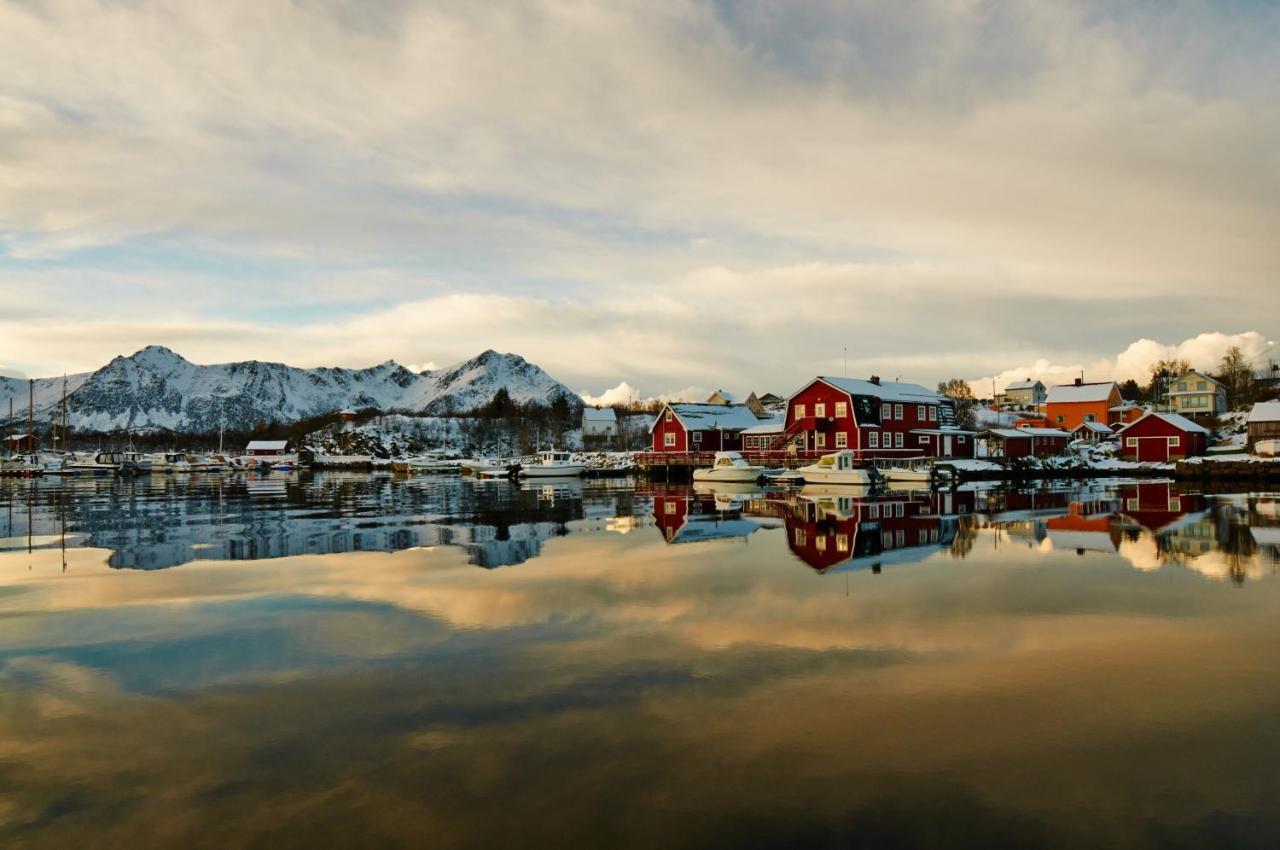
<point x="1067" y="393"/>
<point x="267" y="445"/>
<point x="1043" y="432"/>
<point x="706" y="417"/>
<point x="1092" y="541"/>
<point x="885" y="390"/>
<point x="1265" y="411"/>
<point x="599" y="414"/>
<point x="1008" y="433"/>
<point x="1022" y="385"/>
<point x="1096" y="427"/>
<point x="1127" y="404"/>
<point x="1173" y="419"/>
<point x="773" y="425"/>
<point x="723" y="396"/>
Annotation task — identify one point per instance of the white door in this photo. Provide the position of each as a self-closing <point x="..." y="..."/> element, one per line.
<point x="946" y="446"/>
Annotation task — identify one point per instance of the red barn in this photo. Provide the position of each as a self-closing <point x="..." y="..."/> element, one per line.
<point x="876" y="419"/>
<point x="1163" y="437"/>
<point x="688" y="427"/>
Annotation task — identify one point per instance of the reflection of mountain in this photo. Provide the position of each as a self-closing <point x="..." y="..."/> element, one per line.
<point x="153" y="524"/>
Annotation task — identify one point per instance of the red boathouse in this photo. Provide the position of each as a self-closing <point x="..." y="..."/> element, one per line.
<point x="1162" y="437"/>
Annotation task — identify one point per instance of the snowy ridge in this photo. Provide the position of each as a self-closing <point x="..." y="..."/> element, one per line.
<point x="156" y="388"/>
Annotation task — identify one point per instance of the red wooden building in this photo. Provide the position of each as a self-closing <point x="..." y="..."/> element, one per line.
<point x="1163" y="437"/>
<point x="1092" y="432"/>
<point x="1025" y="442"/>
<point x="689" y="427"/>
<point x="20" y="443"/>
<point x="876" y="419"/>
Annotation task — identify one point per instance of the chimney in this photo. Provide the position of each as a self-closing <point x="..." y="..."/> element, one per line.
<point x="875" y="379"/>
<point x="1079" y="381"/>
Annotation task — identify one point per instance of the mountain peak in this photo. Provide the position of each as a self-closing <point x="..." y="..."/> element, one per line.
<point x="156" y="355"/>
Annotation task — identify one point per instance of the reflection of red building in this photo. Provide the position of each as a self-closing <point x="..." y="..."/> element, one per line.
<point x="1084" y="528"/>
<point x="1163" y="437"/>
<point x="826" y="531"/>
<point x="1155" y="505"/>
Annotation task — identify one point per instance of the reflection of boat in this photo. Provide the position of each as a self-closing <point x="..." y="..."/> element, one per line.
<point x="729" y="466"/>
<point x="552" y="464"/>
<point x="838" y="468"/>
<point x="430" y="463"/>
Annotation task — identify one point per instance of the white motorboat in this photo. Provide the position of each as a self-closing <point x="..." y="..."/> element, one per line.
<point x="22" y="466"/>
<point x="170" y="463"/>
<point x="136" y="463"/>
<point x="729" y="466"/>
<point x="553" y="464"/>
<point x="913" y="471"/>
<point x="433" y="463"/>
<point x="840" y="467"/>
<point x="103" y="463"/>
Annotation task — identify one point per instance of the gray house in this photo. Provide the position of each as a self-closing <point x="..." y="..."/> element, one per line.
<point x="1025" y="395"/>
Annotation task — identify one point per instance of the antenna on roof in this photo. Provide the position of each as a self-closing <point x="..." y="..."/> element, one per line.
<point x="846" y="361"/>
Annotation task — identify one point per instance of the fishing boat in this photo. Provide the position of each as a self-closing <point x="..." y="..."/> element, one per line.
<point x="840" y="467"/>
<point x="729" y="466"/>
<point x="553" y="464"/>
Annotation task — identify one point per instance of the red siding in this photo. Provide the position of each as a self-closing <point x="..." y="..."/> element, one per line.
<point x="1153" y="436"/>
<point x="897" y="429"/>
<point x="669" y="423"/>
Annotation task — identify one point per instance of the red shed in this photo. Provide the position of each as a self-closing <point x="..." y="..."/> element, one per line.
<point x="20" y="443"/>
<point x="689" y="427"/>
<point x="1025" y="442"/>
<point x="1163" y="437"/>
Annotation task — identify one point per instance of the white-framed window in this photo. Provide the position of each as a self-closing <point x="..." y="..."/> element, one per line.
<point x="898" y="440"/>
<point x="1131" y="504"/>
<point x="697" y="436"/>
<point x="1172" y="441"/>
<point x="886" y="411"/>
<point x="901" y="536"/>
<point x="1175" y="504"/>
<point x="842" y="439"/>
<point x="820" y="409"/>
<point x="897" y="411"/>
<point x="670" y="416"/>
<point x="799" y="411"/>
<point x="874" y="440"/>
<point x="820" y="543"/>
<point x="899" y="509"/>
<point x="799" y="537"/>
<point x="873" y="512"/>
<point x="842" y="409"/>
<point x="820" y="440"/>
<point x="669" y="439"/>
<point x="920" y="412"/>
<point x="933" y="414"/>
<point x="1131" y="442"/>
<point x="842" y="543"/>
<point x="669" y="508"/>
<point x="960" y="439"/>
<point x="923" y="439"/>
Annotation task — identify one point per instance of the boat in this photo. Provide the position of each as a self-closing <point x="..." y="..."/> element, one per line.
<point x="729" y="466"/>
<point x="21" y="466"/>
<point x="170" y="463"/>
<point x="432" y="463"/>
<point x="136" y="463"/>
<point x="840" y="467"/>
<point x="103" y="463"/>
<point x="553" y="464"/>
<point x="910" y="471"/>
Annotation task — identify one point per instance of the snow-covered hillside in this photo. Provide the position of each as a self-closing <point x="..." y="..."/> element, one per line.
<point x="157" y="388"/>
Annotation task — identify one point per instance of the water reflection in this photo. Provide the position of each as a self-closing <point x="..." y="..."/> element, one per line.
<point x="684" y="676"/>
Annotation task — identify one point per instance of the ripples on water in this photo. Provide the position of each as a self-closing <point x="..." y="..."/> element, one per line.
<point x="337" y="661"/>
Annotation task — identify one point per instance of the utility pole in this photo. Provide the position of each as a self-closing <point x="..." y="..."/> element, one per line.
<point x="31" y="412"/>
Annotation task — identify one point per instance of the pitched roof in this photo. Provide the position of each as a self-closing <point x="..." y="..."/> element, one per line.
<point x="1068" y="393"/>
<point x="267" y="445"/>
<point x="1173" y="419"/>
<point x="885" y="390"/>
<point x="1099" y="427"/>
<point x="773" y="425"/>
<point x="599" y="414"/>
<point x="1265" y="411"/>
<point x="1008" y="433"/>
<point x="1044" y="432"/>
<point x="1021" y="385"/>
<point x="706" y="417"/>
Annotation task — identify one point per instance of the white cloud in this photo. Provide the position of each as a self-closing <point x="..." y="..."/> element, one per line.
<point x="624" y="393"/>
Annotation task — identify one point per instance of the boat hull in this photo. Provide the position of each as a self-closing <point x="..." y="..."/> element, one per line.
<point x="567" y="471"/>
<point x="849" y="477"/>
<point x="740" y="475"/>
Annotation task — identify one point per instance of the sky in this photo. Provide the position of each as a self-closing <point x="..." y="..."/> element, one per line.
<point x="650" y="198"/>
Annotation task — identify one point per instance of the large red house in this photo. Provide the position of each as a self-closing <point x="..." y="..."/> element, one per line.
<point x="877" y="419"/>
<point x="1163" y="437"/>
<point x="688" y="427"/>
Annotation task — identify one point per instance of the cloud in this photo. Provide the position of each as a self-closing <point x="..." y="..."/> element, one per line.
<point x="624" y="393"/>
<point x="1204" y="352"/>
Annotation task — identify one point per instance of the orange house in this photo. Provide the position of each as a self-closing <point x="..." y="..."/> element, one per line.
<point x="1070" y="404"/>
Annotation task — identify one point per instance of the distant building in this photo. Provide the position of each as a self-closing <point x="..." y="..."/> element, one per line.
<point x="599" y="423"/>
<point x="1025" y="442"/>
<point x="1125" y="412"/>
<point x="689" y="427"/>
<point x="1025" y="395"/>
<point x="773" y="403"/>
<point x="20" y="443"/>
<point x="267" y="448"/>
<point x="722" y="397"/>
<point x="1067" y="405"/>
<point x="1162" y="437"/>
<point x="1197" y="396"/>
<point x="1264" y="423"/>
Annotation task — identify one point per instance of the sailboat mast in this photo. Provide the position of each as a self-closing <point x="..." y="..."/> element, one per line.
<point x="31" y="412"/>
<point x="65" y="446"/>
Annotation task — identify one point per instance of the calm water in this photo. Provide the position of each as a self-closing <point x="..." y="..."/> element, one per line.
<point x="352" y="661"/>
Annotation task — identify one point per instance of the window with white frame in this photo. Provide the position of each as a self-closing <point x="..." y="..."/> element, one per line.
<point x="897" y="411"/>
<point x="873" y="440"/>
<point x="670" y="416"/>
<point x="799" y="411"/>
<point x="697" y="436"/>
<point x="820" y="542"/>
<point x="960" y="439"/>
<point x="1172" y="441"/>
<point x="669" y="508"/>
<point x="898" y="439"/>
<point x="1131" y="442"/>
<point x="842" y="543"/>
<point x="669" y="439"/>
<point x="842" y="439"/>
<point x="873" y="512"/>
<point x="923" y="439"/>
<point x="842" y="409"/>
<point x="799" y="536"/>
<point x="920" y="414"/>
<point x="820" y="440"/>
<point x="820" y="409"/>
<point x="933" y="414"/>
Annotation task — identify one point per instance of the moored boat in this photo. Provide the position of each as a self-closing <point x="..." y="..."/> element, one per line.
<point x="729" y="466"/>
<point x="840" y="467"/>
<point x="553" y="464"/>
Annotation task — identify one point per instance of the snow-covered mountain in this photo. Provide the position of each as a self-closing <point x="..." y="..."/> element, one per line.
<point x="156" y="388"/>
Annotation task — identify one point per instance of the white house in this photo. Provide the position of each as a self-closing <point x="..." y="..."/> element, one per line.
<point x="600" y="423"/>
<point x="1025" y="395"/>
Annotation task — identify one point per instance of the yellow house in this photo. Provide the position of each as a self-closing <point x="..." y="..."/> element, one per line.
<point x="1195" y="394"/>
